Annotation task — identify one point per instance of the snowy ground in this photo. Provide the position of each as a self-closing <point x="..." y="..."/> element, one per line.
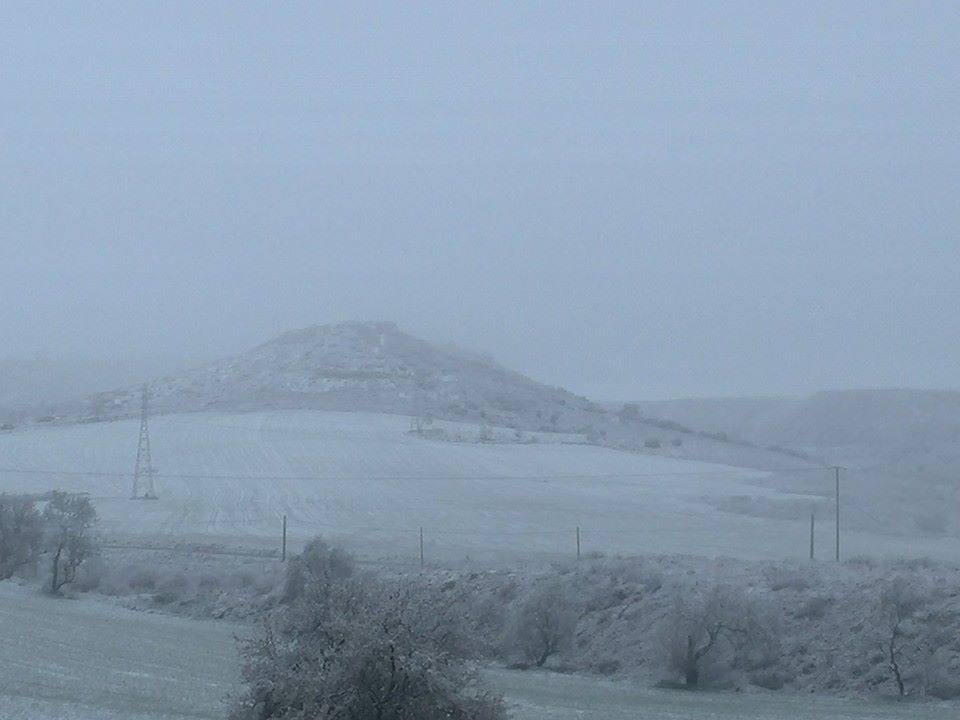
<point x="89" y="660"/>
<point x="546" y="696"/>
<point x="366" y="482"/>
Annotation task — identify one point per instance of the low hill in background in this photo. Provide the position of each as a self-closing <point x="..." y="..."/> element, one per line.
<point x="375" y="367"/>
<point x="900" y="448"/>
<point x="360" y="366"/>
<point x="825" y="419"/>
<point x="36" y="385"/>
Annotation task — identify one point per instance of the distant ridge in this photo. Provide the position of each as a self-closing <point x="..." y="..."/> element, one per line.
<point x="877" y="417"/>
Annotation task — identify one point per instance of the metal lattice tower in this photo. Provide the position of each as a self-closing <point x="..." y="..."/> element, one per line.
<point x="143" y="473"/>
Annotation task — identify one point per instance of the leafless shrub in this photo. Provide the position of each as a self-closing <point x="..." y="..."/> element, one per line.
<point x="709" y="633"/>
<point x="21" y="533"/>
<point x="544" y="623"/>
<point x="69" y="521"/>
<point x="899" y="601"/>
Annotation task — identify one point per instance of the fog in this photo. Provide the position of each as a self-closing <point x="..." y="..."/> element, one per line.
<point x="267" y="270"/>
<point x="636" y="201"/>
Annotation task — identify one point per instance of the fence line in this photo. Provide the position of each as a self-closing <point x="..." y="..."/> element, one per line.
<point x="575" y="536"/>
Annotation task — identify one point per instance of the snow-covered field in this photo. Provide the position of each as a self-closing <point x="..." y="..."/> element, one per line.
<point x="89" y="660"/>
<point x="363" y="480"/>
<point x="548" y="696"/>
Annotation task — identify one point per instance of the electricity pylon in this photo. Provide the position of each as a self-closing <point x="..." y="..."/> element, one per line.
<point x="143" y="473"/>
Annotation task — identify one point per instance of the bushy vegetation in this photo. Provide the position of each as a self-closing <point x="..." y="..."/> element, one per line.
<point x="914" y="639"/>
<point x="710" y="632"/>
<point x="317" y="564"/>
<point x="800" y="626"/>
<point x="340" y="642"/>
<point x="69" y="521"/>
<point x="21" y="534"/>
<point x="543" y="624"/>
<point x="63" y="530"/>
<point x="348" y="645"/>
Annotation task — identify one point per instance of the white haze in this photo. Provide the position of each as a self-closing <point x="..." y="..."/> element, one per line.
<point x="633" y="200"/>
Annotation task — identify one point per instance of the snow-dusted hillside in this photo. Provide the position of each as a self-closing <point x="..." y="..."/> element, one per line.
<point x="365" y="480"/>
<point x="374" y="367"/>
<point x="360" y="366"/>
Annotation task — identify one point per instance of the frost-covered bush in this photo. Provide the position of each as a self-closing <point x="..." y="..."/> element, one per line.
<point x="318" y="564"/>
<point x="543" y="623"/>
<point x="68" y="521"/>
<point x="814" y="608"/>
<point x="184" y="584"/>
<point x="709" y="632"/>
<point x="788" y="578"/>
<point x="359" y="648"/>
<point x="21" y="533"/>
<point x="91" y="575"/>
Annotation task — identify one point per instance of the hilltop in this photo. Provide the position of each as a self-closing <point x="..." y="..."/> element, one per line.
<point x="360" y="366"/>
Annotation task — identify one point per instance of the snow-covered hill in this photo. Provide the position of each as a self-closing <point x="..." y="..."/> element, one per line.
<point x="360" y="366"/>
<point x="375" y="367"/>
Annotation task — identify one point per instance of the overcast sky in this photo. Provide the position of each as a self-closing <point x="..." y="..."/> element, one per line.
<point x="629" y="199"/>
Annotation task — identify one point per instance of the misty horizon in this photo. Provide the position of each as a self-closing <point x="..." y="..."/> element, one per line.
<point x="93" y="371"/>
<point x="479" y="361"/>
<point x="636" y="203"/>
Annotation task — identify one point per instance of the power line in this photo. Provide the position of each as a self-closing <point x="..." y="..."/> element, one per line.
<point x="601" y="476"/>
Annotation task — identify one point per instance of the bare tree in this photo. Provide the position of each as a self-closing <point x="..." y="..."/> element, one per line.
<point x="720" y="628"/>
<point x="69" y="521"/>
<point x="544" y="623"/>
<point x="21" y="533"/>
<point x="900" y="599"/>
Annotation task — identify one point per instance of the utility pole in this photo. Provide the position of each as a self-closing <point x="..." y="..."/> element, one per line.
<point x="421" y="547"/>
<point x="811" y="535"/>
<point x="143" y="471"/>
<point x="283" y="547"/>
<point x="578" y="542"/>
<point x="836" y="471"/>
